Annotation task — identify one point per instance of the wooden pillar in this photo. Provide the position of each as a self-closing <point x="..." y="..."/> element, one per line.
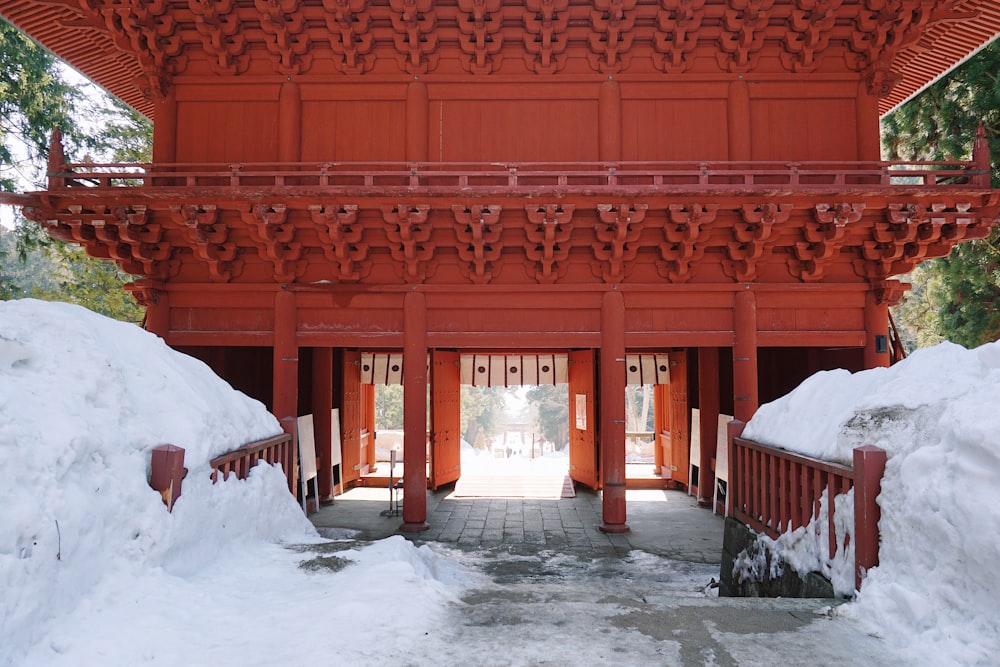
<point x="612" y="406"/>
<point x="166" y="473"/>
<point x="609" y="115"/>
<point x="869" y="466"/>
<point x="165" y="128"/>
<point x="289" y="122"/>
<point x="417" y="122"/>
<point x="661" y="425"/>
<point x="745" y="392"/>
<point x="285" y="396"/>
<point x="708" y="404"/>
<point x="322" y="404"/>
<point x="158" y="314"/>
<point x="414" y="412"/>
<point x="868" y="132"/>
<point x="876" y="332"/>
<point x="680" y="443"/>
<point x="739" y="120"/>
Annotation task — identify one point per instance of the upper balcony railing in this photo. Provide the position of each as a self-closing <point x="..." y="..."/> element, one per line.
<point x="512" y="178"/>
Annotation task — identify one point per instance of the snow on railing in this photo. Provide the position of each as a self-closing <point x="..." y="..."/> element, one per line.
<point x="774" y="491"/>
<point x="167" y="469"/>
<point x="524" y="176"/>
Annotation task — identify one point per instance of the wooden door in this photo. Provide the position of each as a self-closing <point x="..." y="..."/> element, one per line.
<point x="351" y="417"/>
<point x="680" y="442"/>
<point x="446" y="448"/>
<point x="582" y="419"/>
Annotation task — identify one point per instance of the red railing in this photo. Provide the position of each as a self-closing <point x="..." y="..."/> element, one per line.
<point x="525" y="176"/>
<point x="775" y="491"/>
<point x="277" y="449"/>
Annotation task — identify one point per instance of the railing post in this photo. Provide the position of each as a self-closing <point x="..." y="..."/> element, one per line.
<point x="56" y="163"/>
<point x="166" y="472"/>
<point x="981" y="158"/>
<point x="869" y="465"/>
<point x="734" y="429"/>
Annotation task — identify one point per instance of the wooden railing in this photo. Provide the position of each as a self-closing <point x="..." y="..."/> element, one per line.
<point x="278" y="449"/>
<point x="775" y="491"/>
<point x="525" y="176"/>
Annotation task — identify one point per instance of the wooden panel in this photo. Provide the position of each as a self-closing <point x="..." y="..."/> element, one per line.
<point x="351" y="416"/>
<point x="354" y="130"/>
<point x="582" y="418"/>
<point x="672" y="129"/>
<point x="789" y="129"/>
<point x="542" y="130"/>
<point x="679" y="429"/>
<point x="446" y="430"/>
<point x="224" y="131"/>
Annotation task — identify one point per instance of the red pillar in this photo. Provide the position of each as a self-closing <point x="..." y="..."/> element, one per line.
<point x="869" y="466"/>
<point x="414" y="412"/>
<point x="866" y="112"/>
<point x="166" y="472"/>
<point x="612" y="406"/>
<point x="609" y="118"/>
<point x="165" y="128"/>
<point x="876" y="331"/>
<point x="285" y="395"/>
<point x="745" y="393"/>
<point x="289" y="122"/>
<point x="708" y="403"/>
<point x="417" y="119"/>
<point x="661" y="424"/>
<point x="158" y="314"/>
<point x="739" y="120"/>
<point x="322" y="404"/>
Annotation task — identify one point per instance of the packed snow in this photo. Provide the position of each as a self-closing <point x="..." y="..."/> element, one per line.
<point x="95" y="571"/>
<point x="937" y="415"/>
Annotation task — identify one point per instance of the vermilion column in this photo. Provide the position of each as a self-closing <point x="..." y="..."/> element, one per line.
<point x="866" y="111"/>
<point x="165" y="128"/>
<point x="708" y="404"/>
<point x="285" y="395"/>
<point x="612" y="406"/>
<point x="739" y="120"/>
<point x="609" y="120"/>
<point x="417" y="122"/>
<point x="414" y="412"/>
<point x="322" y="404"/>
<point x="876" y="332"/>
<point x="289" y="122"/>
<point x="158" y="315"/>
<point x="745" y="394"/>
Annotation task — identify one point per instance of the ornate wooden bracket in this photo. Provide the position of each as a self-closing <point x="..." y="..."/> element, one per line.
<point x="146" y="292"/>
<point x="219" y="28"/>
<point x="824" y="237"/>
<point x="612" y="22"/>
<point x="415" y="38"/>
<point x="287" y="39"/>
<point x="482" y="35"/>
<point x="755" y="235"/>
<point x="545" y="39"/>
<point x="340" y="235"/>
<point x="548" y="230"/>
<point x="617" y="239"/>
<point x="479" y="245"/>
<point x="744" y="26"/>
<point x="209" y="239"/>
<point x="686" y="234"/>
<point x="678" y="23"/>
<point x="348" y="24"/>
<point x="410" y="244"/>
<point x="809" y="29"/>
<point x="890" y="292"/>
<point x="274" y="238"/>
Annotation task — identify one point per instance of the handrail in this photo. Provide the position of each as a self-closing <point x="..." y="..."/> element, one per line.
<point x="471" y="176"/>
<point x="774" y="490"/>
<point x="276" y="449"/>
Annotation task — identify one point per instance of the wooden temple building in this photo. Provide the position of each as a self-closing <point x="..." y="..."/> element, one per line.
<point x="344" y="193"/>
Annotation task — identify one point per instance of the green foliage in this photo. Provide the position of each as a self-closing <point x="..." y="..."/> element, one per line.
<point x="551" y="403"/>
<point x="389" y="407"/>
<point x="956" y="296"/>
<point x="482" y="411"/>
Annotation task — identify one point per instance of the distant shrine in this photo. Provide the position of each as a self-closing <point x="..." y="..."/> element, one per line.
<point x="346" y="193"/>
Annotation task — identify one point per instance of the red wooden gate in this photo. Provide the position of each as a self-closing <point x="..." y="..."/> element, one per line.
<point x="446" y="384"/>
<point x="582" y="419"/>
<point x="679" y="456"/>
<point x="351" y="417"/>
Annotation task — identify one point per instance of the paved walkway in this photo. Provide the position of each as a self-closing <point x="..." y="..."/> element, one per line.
<point x="667" y="523"/>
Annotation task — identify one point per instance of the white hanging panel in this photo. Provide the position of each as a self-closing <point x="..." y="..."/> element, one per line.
<point x="498" y="371"/>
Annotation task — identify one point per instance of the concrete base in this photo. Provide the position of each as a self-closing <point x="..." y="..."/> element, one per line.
<point x="737" y="538"/>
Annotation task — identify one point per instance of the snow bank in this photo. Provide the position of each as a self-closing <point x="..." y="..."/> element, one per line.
<point x="95" y="571"/>
<point x="937" y="414"/>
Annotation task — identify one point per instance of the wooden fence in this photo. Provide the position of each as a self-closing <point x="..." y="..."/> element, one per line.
<point x="775" y="491"/>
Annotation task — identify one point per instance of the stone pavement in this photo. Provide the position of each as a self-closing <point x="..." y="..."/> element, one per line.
<point x="667" y="523"/>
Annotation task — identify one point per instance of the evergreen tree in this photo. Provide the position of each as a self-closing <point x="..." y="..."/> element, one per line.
<point x="963" y="289"/>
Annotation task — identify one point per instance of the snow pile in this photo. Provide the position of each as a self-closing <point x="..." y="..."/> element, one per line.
<point x="937" y="414"/>
<point x="88" y="550"/>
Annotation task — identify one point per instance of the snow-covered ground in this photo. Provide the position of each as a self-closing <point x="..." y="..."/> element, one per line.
<point x="937" y="415"/>
<point x="95" y="571"/>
